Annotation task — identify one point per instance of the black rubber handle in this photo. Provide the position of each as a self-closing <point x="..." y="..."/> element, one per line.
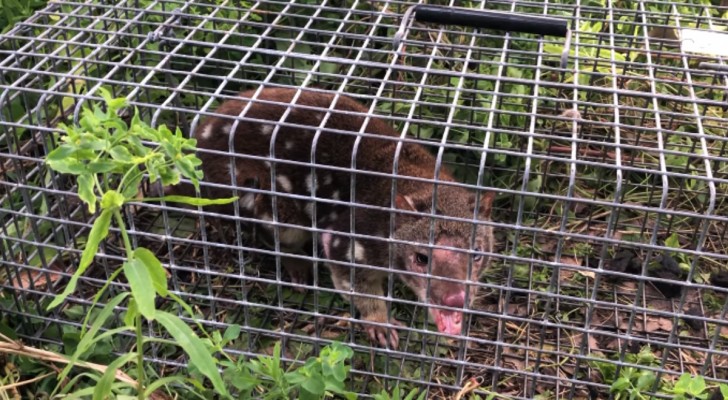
<point x="489" y="19"/>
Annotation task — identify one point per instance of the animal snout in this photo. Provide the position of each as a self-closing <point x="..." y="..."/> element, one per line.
<point x="455" y="300"/>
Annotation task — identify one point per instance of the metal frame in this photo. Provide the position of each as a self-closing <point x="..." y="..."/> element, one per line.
<point x="650" y="127"/>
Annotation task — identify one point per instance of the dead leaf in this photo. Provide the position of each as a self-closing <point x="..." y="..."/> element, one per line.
<point x="666" y="324"/>
<point x="511" y="356"/>
<point x="566" y="276"/>
<point x="724" y="331"/>
<point x="587" y="273"/>
<point x="343" y="323"/>
<point x="37" y="279"/>
<point x="331" y="333"/>
<point x="308" y="329"/>
<point x="571" y="261"/>
<point x="655" y="324"/>
<point x="513" y="309"/>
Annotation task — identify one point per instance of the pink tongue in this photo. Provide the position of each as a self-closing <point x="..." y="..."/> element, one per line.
<point x="448" y="321"/>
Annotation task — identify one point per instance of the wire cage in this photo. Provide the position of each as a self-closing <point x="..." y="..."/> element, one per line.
<point x="610" y="174"/>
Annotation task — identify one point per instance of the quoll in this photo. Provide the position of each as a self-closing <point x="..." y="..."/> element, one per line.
<point x="374" y="157"/>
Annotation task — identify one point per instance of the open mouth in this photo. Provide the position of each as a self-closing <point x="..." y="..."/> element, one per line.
<point x="447" y="321"/>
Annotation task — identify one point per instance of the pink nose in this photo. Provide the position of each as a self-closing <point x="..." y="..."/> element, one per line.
<point x="456" y="300"/>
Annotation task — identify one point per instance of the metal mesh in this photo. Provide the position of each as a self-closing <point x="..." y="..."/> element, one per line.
<point x="619" y="151"/>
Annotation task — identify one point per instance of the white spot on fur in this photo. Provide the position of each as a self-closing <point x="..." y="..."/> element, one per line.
<point x="310" y="184"/>
<point x="319" y="117"/>
<point x="267" y="218"/>
<point x="206" y="132"/>
<point x="336" y="195"/>
<point x="226" y="128"/>
<point x="284" y="183"/>
<point x="336" y="242"/>
<point x="266" y="129"/>
<point x="247" y="201"/>
<point x="358" y="252"/>
<point x="326" y="242"/>
<point x="289" y="145"/>
<point x="328" y="179"/>
<point x="342" y="283"/>
<point x="308" y="208"/>
<point x="267" y="164"/>
<point x="333" y="216"/>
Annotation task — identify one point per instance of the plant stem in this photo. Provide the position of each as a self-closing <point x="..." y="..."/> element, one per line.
<point x="124" y="234"/>
<point x="138" y="319"/>
<point x="140" y="357"/>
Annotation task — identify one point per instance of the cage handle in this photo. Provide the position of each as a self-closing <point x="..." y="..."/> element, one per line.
<point x="487" y="19"/>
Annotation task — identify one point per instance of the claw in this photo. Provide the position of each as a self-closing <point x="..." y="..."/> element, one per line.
<point x="378" y="334"/>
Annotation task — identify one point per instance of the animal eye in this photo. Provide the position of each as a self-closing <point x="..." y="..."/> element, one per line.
<point x="421" y="259"/>
<point x="477" y="257"/>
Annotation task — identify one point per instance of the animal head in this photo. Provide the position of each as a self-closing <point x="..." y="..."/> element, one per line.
<point x="457" y="264"/>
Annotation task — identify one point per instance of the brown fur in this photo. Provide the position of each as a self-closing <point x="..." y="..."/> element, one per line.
<point x="374" y="154"/>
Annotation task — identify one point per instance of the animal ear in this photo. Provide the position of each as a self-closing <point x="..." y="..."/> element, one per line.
<point x="404" y="202"/>
<point x="486" y="203"/>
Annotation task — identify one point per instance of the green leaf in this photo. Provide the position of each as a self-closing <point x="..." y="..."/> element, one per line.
<point x="724" y="391"/>
<point x="195" y="348"/>
<point x="92" y="144"/>
<point x="697" y="386"/>
<point x="88" y="339"/>
<point x="155" y="268"/>
<point x="673" y="241"/>
<point x="620" y="384"/>
<point x="162" y="382"/>
<point x="86" y="191"/>
<point x="103" y="386"/>
<point x="328" y="67"/>
<point x="131" y="313"/>
<point x="142" y="289"/>
<point x="295" y="377"/>
<point x="314" y="385"/>
<point x="131" y="187"/>
<point x="339" y="372"/>
<point x="112" y="103"/>
<point x="645" y="381"/>
<point x="98" y="232"/>
<point x="102" y="166"/>
<point x="61" y="152"/>
<point x="193" y="201"/>
<point x="231" y="333"/>
<point x="241" y="379"/>
<point x="120" y="153"/>
<point x="112" y="199"/>
<point x="682" y="384"/>
<point x="67" y="166"/>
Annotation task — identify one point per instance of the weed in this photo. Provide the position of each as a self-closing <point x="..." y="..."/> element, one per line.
<point x="13" y="11"/>
<point x="108" y="160"/>
<point x="635" y="383"/>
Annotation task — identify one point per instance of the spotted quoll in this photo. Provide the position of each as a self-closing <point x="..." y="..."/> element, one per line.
<point x="281" y="164"/>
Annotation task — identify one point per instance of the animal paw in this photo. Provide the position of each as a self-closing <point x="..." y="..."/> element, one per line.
<point x="298" y="274"/>
<point x="299" y="277"/>
<point x="381" y="334"/>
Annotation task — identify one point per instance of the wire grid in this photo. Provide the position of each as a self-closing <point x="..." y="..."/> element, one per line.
<point x="621" y="150"/>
